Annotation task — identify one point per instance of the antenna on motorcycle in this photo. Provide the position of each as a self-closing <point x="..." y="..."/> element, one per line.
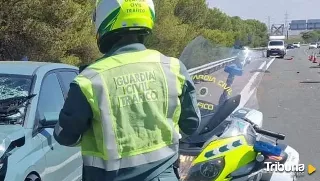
<point x="234" y="69"/>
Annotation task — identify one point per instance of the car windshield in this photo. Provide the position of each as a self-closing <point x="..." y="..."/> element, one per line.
<point x="295" y="43"/>
<point x="313" y="43"/>
<point x="276" y="43"/>
<point x="12" y="86"/>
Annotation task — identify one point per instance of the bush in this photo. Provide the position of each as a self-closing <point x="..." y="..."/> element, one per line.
<point x="61" y="30"/>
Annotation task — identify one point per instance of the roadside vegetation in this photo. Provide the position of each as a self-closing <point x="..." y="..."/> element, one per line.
<point x="294" y="39"/>
<point x="61" y="30"/>
<point x="311" y="36"/>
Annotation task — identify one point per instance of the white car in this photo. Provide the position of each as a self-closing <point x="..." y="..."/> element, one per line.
<point x="296" y="45"/>
<point x="313" y="45"/>
<point x="276" y="48"/>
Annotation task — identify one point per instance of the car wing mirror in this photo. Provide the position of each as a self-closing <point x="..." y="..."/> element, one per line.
<point x="49" y="119"/>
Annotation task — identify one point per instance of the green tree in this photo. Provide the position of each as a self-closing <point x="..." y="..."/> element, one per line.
<point x="311" y="36"/>
<point x="61" y="30"/>
<point x="218" y="20"/>
<point x="192" y="12"/>
<point x="47" y="30"/>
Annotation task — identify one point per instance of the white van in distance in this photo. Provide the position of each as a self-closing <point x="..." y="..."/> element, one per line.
<point x="276" y="48"/>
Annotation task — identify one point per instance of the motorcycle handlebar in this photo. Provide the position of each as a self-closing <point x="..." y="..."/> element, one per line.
<point x="278" y="136"/>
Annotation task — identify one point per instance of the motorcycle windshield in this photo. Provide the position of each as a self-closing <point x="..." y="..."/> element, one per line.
<point x="221" y="72"/>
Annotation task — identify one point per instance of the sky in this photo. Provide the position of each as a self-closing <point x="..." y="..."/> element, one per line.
<point x="276" y="9"/>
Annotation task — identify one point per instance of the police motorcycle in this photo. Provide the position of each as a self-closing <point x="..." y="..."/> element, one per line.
<point x="230" y="144"/>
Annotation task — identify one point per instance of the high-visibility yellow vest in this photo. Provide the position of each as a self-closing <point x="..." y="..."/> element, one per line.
<point x="134" y="98"/>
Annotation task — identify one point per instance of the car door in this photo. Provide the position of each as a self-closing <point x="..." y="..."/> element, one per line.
<point x="60" y="160"/>
<point x="66" y="76"/>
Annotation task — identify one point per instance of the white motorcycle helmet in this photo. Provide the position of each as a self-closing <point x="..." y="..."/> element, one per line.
<point x="112" y="17"/>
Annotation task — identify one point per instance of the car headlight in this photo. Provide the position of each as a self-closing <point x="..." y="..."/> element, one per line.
<point x="206" y="171"/>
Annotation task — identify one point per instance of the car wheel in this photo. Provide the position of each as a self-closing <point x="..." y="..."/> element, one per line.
<point x="32" y="177"/>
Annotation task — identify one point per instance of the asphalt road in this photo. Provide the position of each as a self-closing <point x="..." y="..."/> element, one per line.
<point x="289" y="97"/>
<point x="292" y="107"/>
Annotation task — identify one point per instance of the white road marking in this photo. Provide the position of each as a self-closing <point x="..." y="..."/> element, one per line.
<point x="246" y="93"/>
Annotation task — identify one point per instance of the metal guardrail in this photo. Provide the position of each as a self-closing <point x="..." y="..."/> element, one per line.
<point x="216" y="65"/>
<point x="212" y="66"/>
<point x="259" y="48"/>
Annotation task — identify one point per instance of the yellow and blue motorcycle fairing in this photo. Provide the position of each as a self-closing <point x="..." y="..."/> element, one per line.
<point x="233" y="153"/>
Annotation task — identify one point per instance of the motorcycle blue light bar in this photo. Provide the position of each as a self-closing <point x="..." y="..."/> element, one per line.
<point x="267" y="148"/>
<point x="234" y="70"/>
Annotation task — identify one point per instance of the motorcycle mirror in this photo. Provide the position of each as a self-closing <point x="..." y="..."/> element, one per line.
<point x="222" y="113"/>
<point x="253" y="116"/>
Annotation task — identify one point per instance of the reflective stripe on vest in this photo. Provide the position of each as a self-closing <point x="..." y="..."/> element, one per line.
<point x="127" y="92"/>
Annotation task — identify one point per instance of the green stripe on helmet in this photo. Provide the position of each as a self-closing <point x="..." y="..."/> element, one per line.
<point x="108" y="23"/>
<point x="153" y="16"/>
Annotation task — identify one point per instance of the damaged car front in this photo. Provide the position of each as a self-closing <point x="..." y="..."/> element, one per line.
<point x="14" y="98"/>
<point x="32" y="95"/>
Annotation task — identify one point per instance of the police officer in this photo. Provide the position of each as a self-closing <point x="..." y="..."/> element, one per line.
<point x="125" y="110"/>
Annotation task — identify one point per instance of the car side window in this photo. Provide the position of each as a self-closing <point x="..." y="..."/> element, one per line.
<point x="67" y="78"/>
<point x="51" y="98"/>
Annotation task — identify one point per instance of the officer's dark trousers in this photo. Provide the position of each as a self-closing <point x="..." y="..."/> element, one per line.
<point x="94" y="174"/>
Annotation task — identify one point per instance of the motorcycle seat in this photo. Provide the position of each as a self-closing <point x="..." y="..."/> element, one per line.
<point x="281" y="159"/>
